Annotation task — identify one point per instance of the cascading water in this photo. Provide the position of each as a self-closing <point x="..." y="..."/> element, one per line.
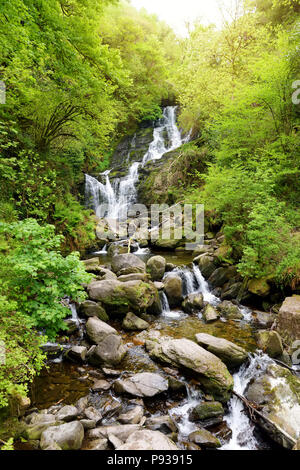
<point x="237" y="419"/>
<point x="166" y="137"/>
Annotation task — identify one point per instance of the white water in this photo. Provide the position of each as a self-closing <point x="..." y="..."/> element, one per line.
<point x="237" y="420"/>
<point x="122" y="193"/>
<point x="181" y="413"/>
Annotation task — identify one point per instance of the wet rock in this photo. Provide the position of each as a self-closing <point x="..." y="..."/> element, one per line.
<point x="88" y="423"/>
<point x="269" y="342"/>
<point x="191" y="446"/>
<point x="206" y="265"/>
<point x="76" y="353"/>
<point x="210" y="314"/>
<point x="159" y="285"/>
<point x="133" y="416"/>
<point x="164" y="424"/>
<point x="277" y="390"/>
<point x="207" y="410"/>
<point x="233" y="291"/>
<point x="221" y="275"/>
<point x="193" y="303"/>
<point x="263" y="318"/>
<point x="213" y="374"/>
<point x="145" y="384"/>
<point x="39" y="423"/>
<point x="71" y="325"/>
<point x="176" y="385"/>
<point x="170" y="267"/>
<point x="67" y="413"/>
<point x="156" y="266"/>
<point x="231" y="354"/>
<point x="127" y="264"/>
<point x="100" y="385"/>
<point x="109" y="352"/>
<point x="230" y="310"/>
<point x="134" y="277"/>
<point x="223" y="432"/>
<point x="67" y="436"/>
<point x="119" y="298"/>
<point x="205" y="439"/>
<point x="173" y="289"/>
<point x="289" y="319"/>
<point x="92" y="414"/>
<point x="111" y="372"/>
<point x="93" y="309"/>
<point x="97" y="330"/>
<point x="259" y="287"/>
<point x="132" y="322"/>
<point x="148" y="440"/>
<point x="52" y="350"/>
<point x="82" y="404"/>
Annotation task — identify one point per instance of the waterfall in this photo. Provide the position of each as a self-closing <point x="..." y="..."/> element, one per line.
<point x="118" y="197"/>
<point x="203" y="286"/>
<point x="238" y="421"/>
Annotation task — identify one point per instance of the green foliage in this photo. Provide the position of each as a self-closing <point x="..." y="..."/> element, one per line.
<point x="9" y="445"/>
<point x="21" y="357"/>
<point x="37" y="276"/>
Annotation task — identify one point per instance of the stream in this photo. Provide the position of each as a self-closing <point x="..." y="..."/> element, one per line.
<point x="68" y="382"/>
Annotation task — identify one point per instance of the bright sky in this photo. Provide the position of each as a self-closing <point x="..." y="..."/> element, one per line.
<point x="177" y="12"/>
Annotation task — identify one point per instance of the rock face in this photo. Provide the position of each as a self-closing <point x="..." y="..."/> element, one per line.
<point x="270" y="342"/>
<point x="132" y="322"/>
<point x="210" y="313"/>
<point x="173" y="289"/>
<point x="277" y="391"/>
<point x="289" y="319"/>
<point x="148" y="440"/>
<point x="68" y="436"/>
<point x="231" y="354"/>
<point x="119" y="298"/>
<point x="145" y="384"/>
<point x="213" y="374"/>
<point x="193" y="303"/>
<point x="156" y="266"/>
<point x="127" y="264"/>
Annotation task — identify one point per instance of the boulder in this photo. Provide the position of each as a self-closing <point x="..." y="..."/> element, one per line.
<point x="259" y="287"/>
<point x="233" y="291"/>
<point x="148" y="440"/>
<point x="101" y="385"/>
<point x="156" y="266"/>
<point x="134" y="277"/>
<point x="210" y="313"/>
<point x="93" y="414"/>
<point x="289" y="319"/>
<point x="127" y="264"/>
<point x="193" y="303"/>
<point x="39" y="423"/>
<point x="121" y="432"/>
<point x="205" y="439"/>
<point x="98" y="330"/>
<point x="133" y="416"/>
<point x="269" y="342"/>
<point x="231" y="354"/>
<point x="202" y="249"/>
<point x="93" y="309"/>
<point x="164" y="424"/>
<point x="104" y="274"/>
<point x="132" y="322"/>
<point x="277" y="391"/>
<point x="211" y="371"/>
<point x="67" y="413"/>
<point x="76" y="353"/>
<point x="169" y="244"/>
<point x="67" y="436"/>
<point x="145" y="384"/>
<point x="265" y="319"/>
<point x="109" y="352"/>
<point x="230" y="310"/>
<point x="119" y="298"/>
<point x="92" y="264"/>
<point x="221" y="275"/>
<point x="173" y="289"/>
<point x="207" y="411"/>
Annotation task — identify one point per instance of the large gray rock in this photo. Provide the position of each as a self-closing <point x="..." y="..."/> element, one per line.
<point x="145" y="384"/>
<point x="67" y="413"/>
<point x="193" y="303"/>
<point x="119" y="298"/>
<point x="212" y="410"/>
<point x="127" y="264"/>
<point x="132" y="416"/>
<point x="148" y="440"/>
<point x="132" y="322"/>
<point x="228" y="352"/>
<point x="269" y="342"/>
<point x="205" y="439"/>
<point x="213" y="374"/>
<point x="121" y="432"/>
<point x="38" y="423"/>
<point x="277" y="391"/>
<point x="156" y="266"/>
<point x="230" y="310"/>
<point x="93" y="309"/>
<point x="97" y="330"/>
<point x="67" y="436"/>
<point x="109" y="352"/>
<point x="173" y="289"/>
<point x="289" y="319"/>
